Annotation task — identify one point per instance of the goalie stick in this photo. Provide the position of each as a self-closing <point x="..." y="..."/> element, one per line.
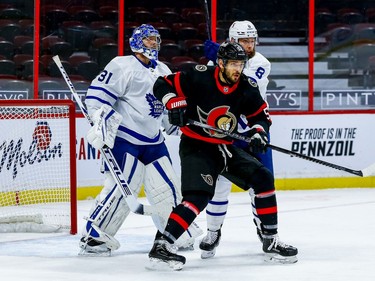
<point x="361" y="173"/>
<point x="114" y="168"/>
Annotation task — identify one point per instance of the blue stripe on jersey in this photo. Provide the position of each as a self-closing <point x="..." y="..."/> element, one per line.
<point x="219" y="202"/>
<point x="103" y="90"/>
<point x="98" y="99"/>
<point x="166" y="179"/>
<point x="216" y="214"/>
<point x="139" y="136"/>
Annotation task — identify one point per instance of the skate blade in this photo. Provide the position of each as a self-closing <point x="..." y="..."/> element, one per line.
<point x="208" y="254"/>
<point x="278" y="259"/>
<point x="159" y="265"/>
<point x="85" y="253"/>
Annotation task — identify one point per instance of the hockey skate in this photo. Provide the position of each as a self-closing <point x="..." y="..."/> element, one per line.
<point x="209" y="244"/>
<point x="91" y="247"/>
<point x="277" y="251"/>
<point x="97" y="243"/>
<point x="163" y="255"/>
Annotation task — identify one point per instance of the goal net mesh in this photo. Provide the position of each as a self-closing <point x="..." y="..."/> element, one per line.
<point x="35" y="170"/>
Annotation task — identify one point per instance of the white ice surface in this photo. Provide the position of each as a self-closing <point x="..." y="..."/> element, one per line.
<point x="333" y="230"/>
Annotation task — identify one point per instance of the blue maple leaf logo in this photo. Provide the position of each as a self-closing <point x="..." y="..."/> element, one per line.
<point x="156" y="106"/>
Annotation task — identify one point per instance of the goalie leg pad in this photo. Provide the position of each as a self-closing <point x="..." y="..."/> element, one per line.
<point x="110" y="208"/>
<point x="162" y="187"/>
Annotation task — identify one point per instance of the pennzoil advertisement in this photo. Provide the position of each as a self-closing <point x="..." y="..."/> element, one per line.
<point x="342" y="139"/>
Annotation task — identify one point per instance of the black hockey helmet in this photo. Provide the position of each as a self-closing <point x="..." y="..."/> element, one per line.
<point x="231" y="51"/>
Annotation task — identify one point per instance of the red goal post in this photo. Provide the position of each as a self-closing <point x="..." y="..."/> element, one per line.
<point x="38" y="181"/>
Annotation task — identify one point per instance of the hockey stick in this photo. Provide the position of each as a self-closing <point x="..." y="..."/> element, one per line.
<point x="361" y="173"/>
<point x="208" y="20"/>
<point x="111" y="162"/>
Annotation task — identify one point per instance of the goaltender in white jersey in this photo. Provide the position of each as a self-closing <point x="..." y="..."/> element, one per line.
<point x="128" y="119"/>
<point x="257" y="68"/>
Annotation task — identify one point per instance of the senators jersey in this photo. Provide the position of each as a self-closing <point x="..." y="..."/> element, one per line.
<point x="215" y="103"/>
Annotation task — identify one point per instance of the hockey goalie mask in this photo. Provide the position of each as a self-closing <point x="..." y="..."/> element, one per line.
<point x="243" y="29"/>
<point x="141" y="33"/>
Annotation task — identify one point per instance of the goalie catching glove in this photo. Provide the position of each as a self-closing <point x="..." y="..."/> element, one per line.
<point x="258" y="139"/>
<point x="176" y="107"/>
<point x="106" y="122"/>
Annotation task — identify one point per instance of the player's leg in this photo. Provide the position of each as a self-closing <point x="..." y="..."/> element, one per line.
<point x="200" y="166"/>
<point x="164" y="252"/>
<point x="215" y="215"/>
<point x="267" y="161"/>
<point x="110" y="210"/>
<point x="163" y="186"/>
<point x="261" y="180"/>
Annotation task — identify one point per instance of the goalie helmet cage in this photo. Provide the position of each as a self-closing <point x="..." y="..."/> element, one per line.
<point x="38" y="166"/>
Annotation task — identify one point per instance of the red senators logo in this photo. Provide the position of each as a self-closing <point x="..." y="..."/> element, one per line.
<point x="43" y="135"/>
<point x="218" y="117"/>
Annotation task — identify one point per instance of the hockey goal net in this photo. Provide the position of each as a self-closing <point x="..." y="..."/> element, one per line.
<point x="37" y="166"/>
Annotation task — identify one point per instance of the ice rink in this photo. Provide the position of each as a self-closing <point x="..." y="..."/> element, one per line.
<point x="333" y="230"/>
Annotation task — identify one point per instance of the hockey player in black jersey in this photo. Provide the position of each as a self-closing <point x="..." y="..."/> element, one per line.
<point x="217" y="96"/>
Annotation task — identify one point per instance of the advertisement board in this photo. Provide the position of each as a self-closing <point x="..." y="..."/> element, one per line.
<point x="342" y="139"/>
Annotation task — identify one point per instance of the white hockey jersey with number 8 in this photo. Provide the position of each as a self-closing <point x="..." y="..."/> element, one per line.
<point x="126" y="84"/>
<point x="258" y="68"/>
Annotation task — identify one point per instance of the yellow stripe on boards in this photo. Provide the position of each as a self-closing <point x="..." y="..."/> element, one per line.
<point x="319" y="183"/>
<point x="90" y="192"/>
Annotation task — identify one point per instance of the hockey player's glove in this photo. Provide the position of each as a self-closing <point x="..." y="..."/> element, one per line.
<point x="258" y="139"/>
<point x="210" y="50"/>
<point x="103" y="132"/>
<point x="176" y="111"/>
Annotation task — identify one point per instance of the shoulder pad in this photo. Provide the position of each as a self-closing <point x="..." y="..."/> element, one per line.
<point x="201" y="67"/>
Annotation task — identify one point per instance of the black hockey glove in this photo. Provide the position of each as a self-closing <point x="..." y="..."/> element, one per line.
<point x="258" y="139"/>
<point x="176" y="111"/>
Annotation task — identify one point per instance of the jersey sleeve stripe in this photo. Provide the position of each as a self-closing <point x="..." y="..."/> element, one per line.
<point x="264" y="105"/>
<point x="103" y="90"/>
<point x="177" y="85"/>
<point x="98" y="99"/>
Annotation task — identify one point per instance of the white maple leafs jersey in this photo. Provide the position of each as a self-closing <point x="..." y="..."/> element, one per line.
<point x="126" y="84"/>
<point x="258" y="68"/>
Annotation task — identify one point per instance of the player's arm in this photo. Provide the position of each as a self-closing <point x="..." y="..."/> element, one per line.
<point x="259" y="121"/>
<point x="167" y="89"/>
<point x="102" y="94"/>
